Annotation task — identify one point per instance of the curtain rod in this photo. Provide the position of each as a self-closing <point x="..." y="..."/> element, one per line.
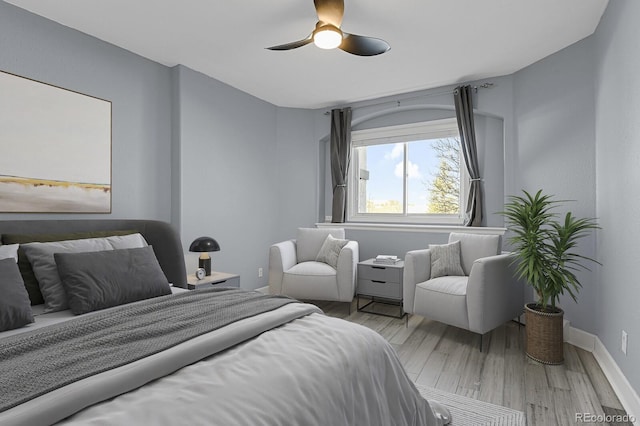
<point x="485" y="85"/>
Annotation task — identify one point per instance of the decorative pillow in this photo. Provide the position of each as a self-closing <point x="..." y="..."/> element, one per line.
<point x="42" y="261"/>
<point x="445" y="260"/>
<point x="9" y="251"/>
<point x="30" y="281"/>
<point x="330" y="251"/>
<point x="99" y="280"/>
<point x="310" y="240"/>
<point x="15" y="307"/>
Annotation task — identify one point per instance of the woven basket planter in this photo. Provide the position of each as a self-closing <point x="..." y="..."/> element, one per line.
<point x="544" y="334"/>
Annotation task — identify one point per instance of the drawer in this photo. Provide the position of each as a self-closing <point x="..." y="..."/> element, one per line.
<point x="233" y="281"/>
<point x="380" y="273"/>
<point x="389" y="290"/>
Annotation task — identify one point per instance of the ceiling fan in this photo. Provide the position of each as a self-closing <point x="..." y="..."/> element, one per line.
<point x="328" y="35"/>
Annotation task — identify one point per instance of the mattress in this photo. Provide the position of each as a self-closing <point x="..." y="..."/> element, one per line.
<point x="311" y="370"/>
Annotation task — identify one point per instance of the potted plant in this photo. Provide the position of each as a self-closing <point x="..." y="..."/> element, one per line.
<point x="544" y="249"/>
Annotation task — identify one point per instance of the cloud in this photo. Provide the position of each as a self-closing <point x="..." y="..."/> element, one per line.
<point x="413" y="170"/>
<point x="396" y="152"/>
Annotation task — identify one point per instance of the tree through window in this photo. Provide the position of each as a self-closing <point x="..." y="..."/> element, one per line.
<point x="444" y="188"/>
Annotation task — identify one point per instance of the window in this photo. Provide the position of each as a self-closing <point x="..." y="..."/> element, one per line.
<point x="410" y="173"/>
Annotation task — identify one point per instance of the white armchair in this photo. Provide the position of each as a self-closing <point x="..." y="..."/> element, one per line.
<point x="295" y="272"/>
<point x="486" y="296"/>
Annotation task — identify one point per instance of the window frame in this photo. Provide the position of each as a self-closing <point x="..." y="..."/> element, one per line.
<point x="404" y="133"/>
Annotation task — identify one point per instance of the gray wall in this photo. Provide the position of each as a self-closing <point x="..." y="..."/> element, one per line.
<point x="555" y="150"/>
<point x="139" y="90"/>
<point x="227" y="189"/>
<point x="296" y="188"/>
<point x="617" y="123"/>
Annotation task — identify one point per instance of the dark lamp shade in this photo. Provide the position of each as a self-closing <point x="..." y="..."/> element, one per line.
<point x="203" y="244"/>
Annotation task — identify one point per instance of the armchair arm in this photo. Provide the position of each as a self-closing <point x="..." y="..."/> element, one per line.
<point x="417" y="269"/>
<point x="494" y="294"/>
<point x="282" y="256"/>
<point x="346" y="273"/>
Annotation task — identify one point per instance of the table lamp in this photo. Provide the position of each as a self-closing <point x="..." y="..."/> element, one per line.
<point x="204" y="245"/>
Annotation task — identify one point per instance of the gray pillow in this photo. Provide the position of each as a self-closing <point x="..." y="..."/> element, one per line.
<point x="330" y="251"/>
<point x="15" y="306"/>
<point x="40" y="256"/>
<point x="445" y="260"/>
<point x="102" y="279"/>
<point x="30" y="280"/>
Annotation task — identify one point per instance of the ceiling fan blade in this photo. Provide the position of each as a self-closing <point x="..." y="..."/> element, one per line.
<point x="363" y="46"/>
<point x="330" y="11"/>
<point x="292" y="45"/>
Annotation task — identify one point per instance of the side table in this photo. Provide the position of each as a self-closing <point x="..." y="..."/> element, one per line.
<point x="382" y="283"/>
<point x="216" y="279"/>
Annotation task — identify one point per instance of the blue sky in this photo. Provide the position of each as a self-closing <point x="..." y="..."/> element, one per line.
<point x="385" y="173"/>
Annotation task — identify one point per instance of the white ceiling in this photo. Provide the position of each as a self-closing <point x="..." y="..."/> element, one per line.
<point x="433" y="42"/>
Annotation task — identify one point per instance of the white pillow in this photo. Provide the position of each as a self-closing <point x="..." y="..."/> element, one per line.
<point x="330" y="251"/>
<point x="44" y="266"/>
<point x="8" y="251"/>
<point x="126" y="241"/>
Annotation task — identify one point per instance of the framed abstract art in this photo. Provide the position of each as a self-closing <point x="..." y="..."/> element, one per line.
<point x="55" y="149"/>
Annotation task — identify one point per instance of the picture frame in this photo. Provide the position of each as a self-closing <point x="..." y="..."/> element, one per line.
<point x="55" y="149"/>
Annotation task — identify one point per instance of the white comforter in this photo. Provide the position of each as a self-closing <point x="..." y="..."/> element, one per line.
<point x="315" y="370"/>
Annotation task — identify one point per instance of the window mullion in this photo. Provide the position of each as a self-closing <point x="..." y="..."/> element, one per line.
<point x="405" y="195"/>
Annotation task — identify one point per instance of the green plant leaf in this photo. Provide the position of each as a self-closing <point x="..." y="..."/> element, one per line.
<point x="544" y="247"/>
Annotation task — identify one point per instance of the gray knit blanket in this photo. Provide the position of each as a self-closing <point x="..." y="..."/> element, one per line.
<point x="35" y="363"/>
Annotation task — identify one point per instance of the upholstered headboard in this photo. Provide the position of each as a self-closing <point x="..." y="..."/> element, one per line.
<point x="164" y="239"/>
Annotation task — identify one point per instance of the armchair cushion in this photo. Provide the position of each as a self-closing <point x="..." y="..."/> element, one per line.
<point x="445" y="260"/>
<point x="311" y="280"/>
<point x="455" y="285"/>
<point x="443" y="299"/>
<point x="330" y="251"/>
<point x="474" y="247"/>
<point x="310" y="240"/>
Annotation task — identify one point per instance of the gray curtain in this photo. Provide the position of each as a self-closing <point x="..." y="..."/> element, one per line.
<point x="464" y="113"/>
<point x="340" y="159"/>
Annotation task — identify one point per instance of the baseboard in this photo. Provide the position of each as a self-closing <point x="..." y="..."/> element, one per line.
<point x="581" y="339"/>
<point x="626" y="394"/>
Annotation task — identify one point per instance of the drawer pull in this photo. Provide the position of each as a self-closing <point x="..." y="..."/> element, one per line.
<point x="379" y="282"/>
<point x="219" y="282"/>
<point x="378" y="267"/>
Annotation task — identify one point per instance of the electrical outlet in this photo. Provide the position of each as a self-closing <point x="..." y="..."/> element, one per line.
<point x="623" y="344"/>
<point x="259" y="272"/>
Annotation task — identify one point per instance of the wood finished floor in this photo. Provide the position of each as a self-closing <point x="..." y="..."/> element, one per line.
<point x="448" y="358"/>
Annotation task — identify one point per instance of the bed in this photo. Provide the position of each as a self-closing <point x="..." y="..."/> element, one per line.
<point x="209" y="357"/>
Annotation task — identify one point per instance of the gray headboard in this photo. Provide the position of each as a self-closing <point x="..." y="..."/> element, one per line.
<point x="164" y="239"/>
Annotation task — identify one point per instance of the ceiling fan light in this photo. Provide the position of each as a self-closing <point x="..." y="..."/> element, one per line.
<point x="327" y="37"/>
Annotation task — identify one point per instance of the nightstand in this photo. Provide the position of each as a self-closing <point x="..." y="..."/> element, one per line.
<point x="216" y="279"/>
<point x="381" y="283"/>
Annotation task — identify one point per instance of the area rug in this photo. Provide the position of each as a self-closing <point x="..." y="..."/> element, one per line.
<point x="471" y="412"/>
